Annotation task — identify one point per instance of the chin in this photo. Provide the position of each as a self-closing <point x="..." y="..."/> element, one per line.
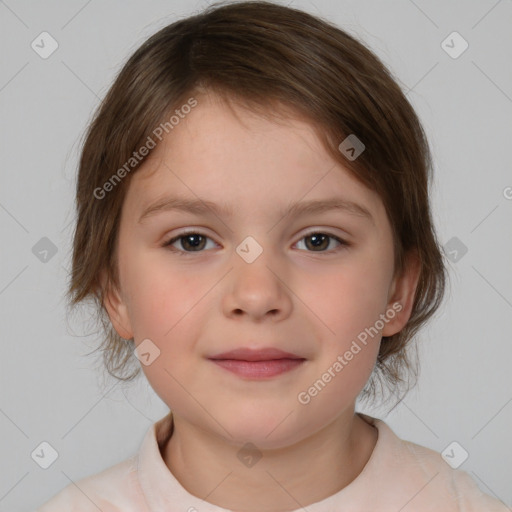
<point x="265" y="428"/>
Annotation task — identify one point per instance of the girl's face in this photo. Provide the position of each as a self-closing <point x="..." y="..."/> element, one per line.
<point x="252" y="274"/>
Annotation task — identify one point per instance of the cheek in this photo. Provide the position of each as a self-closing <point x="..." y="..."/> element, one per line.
<point x="348" y="302"/>
<point x="162" y="296"/>
<point x="165" y="306"/>
<point x="348" y="299"/>
<point x="349" y="307"/>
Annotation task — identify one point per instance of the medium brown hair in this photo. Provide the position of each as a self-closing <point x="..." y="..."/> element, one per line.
<point x="272" y="59"/>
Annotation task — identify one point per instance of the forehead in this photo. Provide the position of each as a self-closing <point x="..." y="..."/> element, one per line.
<point x="230" y="135"/>
<point x="231" y="155"/>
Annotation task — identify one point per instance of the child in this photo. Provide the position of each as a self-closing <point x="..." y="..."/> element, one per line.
<point x="253" y="216"/>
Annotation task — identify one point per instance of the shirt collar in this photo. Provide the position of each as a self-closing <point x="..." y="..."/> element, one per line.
<point x="164" y="492"/>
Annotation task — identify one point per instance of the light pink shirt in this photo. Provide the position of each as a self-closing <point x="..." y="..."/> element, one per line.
<point x="399" y="476"/>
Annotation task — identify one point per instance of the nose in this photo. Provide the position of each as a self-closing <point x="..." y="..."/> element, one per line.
<point x="257" y="291"/>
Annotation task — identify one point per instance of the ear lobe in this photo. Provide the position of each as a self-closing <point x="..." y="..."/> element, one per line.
<point x="116" y="308"/>
<point x="403" y="294"/>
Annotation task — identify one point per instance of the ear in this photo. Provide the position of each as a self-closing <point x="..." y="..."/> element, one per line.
<point x="401" y="294"/>
<point x="116" y="308"/>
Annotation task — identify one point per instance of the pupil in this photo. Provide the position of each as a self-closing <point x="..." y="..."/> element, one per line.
<point x="317" y="239"/>
<point x="189" y="240"/>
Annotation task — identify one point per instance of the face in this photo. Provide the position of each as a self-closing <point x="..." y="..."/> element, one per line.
<point x="240" y="270"/>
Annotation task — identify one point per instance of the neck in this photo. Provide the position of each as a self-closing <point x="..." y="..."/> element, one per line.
<point x="284" y="479"/>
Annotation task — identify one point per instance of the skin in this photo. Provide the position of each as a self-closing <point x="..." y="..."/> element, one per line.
<point x="306" y="300"/>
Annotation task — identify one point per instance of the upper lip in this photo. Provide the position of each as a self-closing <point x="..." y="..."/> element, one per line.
<point x="263" y="354"/>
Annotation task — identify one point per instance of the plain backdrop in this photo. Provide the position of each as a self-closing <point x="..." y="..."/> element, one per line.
<point x="50" y="389"/>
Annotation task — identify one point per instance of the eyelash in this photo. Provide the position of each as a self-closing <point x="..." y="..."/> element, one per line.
<point x="168" y="243"/>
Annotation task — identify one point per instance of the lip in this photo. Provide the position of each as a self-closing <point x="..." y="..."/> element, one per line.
<point x="263" y="354"/>
<point x="257" y="364"/>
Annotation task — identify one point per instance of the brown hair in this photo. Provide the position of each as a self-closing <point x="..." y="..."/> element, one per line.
<point x="272" y="59"/>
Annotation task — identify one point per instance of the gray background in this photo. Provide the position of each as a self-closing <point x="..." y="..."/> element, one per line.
<point x="50" y="389"/>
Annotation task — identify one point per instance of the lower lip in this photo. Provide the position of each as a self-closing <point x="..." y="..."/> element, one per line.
<point x="258" y="369"/>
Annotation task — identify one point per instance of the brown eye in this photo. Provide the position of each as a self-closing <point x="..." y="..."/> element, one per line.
<point x="187" y="242"/>
<point x="320" y="242"/>
<point x="196" y="242"/>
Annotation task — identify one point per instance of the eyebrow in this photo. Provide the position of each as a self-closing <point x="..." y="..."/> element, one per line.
<point x="205" y="207"/>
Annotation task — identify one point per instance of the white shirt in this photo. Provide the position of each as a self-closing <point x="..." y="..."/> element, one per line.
<point x="399" y="476"/>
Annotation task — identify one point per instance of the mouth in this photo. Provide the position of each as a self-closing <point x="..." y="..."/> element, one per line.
<point x="257" y="364"/>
